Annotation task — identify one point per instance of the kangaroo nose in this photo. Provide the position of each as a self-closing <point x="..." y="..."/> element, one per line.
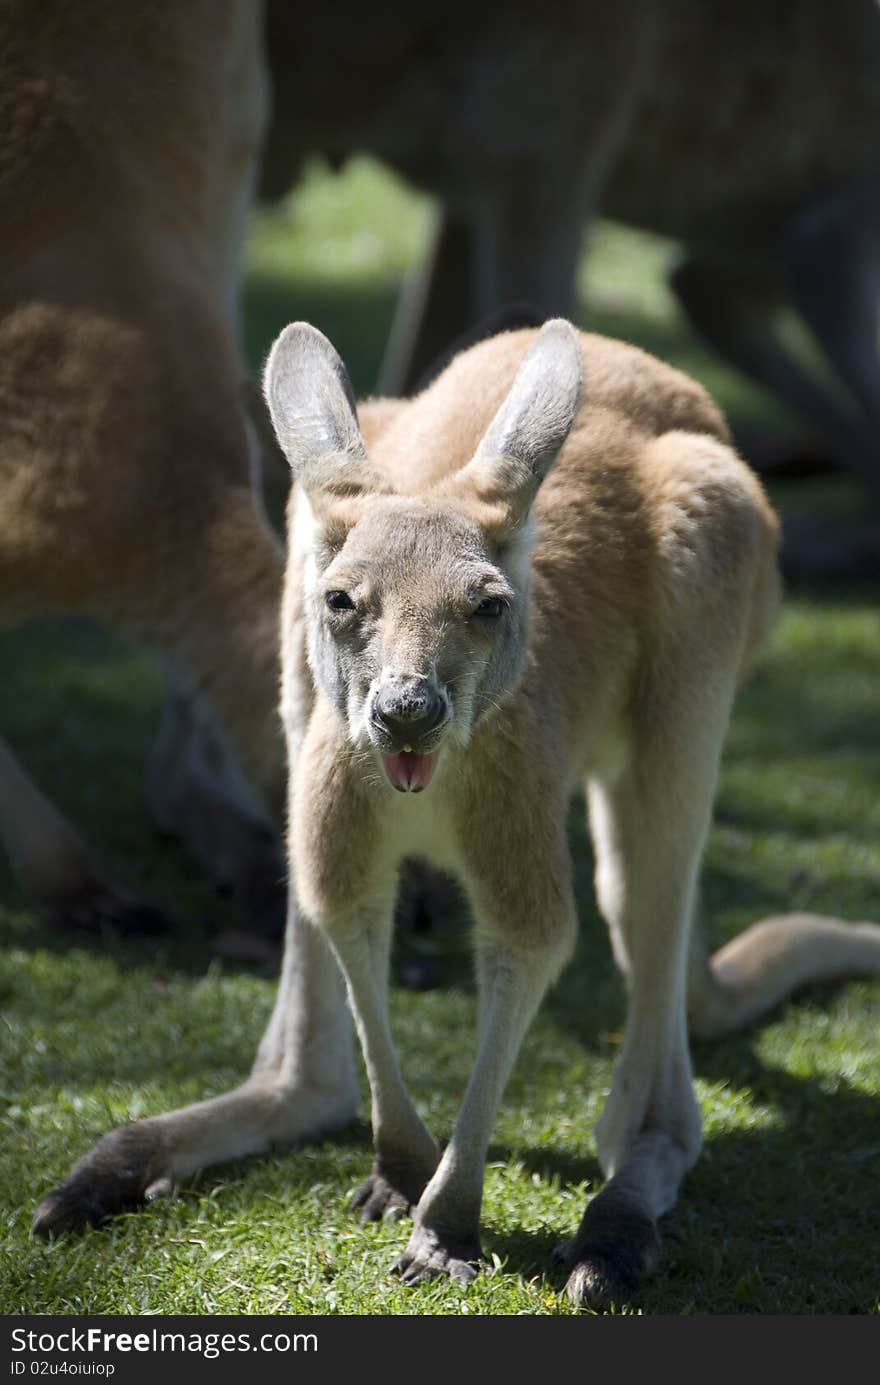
<point x="408" y="715"/>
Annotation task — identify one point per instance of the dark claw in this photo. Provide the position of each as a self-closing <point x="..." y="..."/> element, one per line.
<point x="428" y="1257"/>
<point x="378" y="1198"/>
<point x="616" y="1246"/>
<point x="119" y="1172"/>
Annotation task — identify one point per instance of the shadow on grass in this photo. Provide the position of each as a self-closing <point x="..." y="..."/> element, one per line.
<point x="770" y="1217"/>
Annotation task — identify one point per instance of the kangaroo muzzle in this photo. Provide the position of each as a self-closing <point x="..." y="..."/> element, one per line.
<point x="404" y="719"/>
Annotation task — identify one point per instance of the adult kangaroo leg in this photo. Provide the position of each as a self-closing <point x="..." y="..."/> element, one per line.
<point x="735" y="308"/>
<point x="832" y="254"/>
<point x="433" y="306"/>
<point x="527" y="238"/>
<point x="477" y="279"/>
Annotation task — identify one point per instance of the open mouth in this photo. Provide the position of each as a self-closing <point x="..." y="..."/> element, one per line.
<point x="409" y="772"/>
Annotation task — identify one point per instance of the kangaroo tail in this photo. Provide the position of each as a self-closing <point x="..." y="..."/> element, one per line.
<point x="761" y="966"/>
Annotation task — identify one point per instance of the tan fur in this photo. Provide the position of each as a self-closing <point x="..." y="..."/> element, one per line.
<point x="128" y="146"/>
<point x="637" y="585"/>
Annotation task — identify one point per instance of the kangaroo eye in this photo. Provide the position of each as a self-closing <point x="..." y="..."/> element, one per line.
<point x="490" y="608"/>
<point x="339" y="601"/>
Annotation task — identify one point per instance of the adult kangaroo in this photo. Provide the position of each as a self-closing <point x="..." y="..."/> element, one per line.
<point x="750" y="134"/>
<point x="129" y="139"/>
<point x="547" y="573"/>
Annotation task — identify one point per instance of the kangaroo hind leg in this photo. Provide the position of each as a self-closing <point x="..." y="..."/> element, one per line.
<point x="649" y="824"/>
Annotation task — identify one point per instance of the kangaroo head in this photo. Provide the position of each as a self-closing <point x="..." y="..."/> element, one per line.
<point x="416" y="603"/>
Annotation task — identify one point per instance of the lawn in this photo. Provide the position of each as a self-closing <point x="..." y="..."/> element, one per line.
<point x="781" y="1215"/>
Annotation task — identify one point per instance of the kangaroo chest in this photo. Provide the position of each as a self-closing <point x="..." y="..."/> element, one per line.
<point x="422" y="825"/>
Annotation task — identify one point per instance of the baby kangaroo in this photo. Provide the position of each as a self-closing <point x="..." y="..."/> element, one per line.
<point x="550" y="573"/>
<point x="547" y="572"/>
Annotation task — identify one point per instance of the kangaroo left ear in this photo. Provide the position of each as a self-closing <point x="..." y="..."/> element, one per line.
<point x="313" y="412"/>
<point x="525" y="436"/>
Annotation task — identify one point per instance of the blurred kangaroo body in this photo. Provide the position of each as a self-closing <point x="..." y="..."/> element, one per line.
<point x="751" y="134"/>
<point x="128" y="145"/>
<point x="466" y="644"/>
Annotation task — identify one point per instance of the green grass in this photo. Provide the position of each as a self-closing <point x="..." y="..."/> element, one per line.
<point x="781" y="1215"/>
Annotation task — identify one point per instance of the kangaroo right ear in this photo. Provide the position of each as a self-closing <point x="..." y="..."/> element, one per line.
<point x="313" y="413"/>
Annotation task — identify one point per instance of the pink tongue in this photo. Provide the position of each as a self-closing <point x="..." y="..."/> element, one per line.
<point x="409" y="772"/>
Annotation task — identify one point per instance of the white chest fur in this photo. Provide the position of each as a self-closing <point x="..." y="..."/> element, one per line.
<point x="421" y="824"/>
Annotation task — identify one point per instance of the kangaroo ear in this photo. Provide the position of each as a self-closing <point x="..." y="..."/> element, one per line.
<point x="526" y="434"/>
<point x="313" y="413"/>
